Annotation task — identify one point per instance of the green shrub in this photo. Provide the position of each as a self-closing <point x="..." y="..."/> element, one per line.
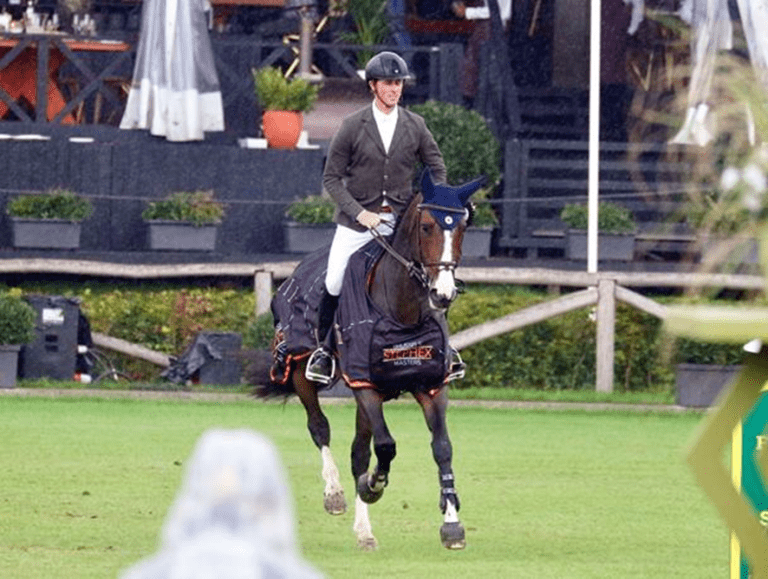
<point x="197" y="207"/>
<point x="611" y="218"/>
<point x="163" y="317"/>
<point x="557" y="354"/>
<point x="56" y="203"/>
<point x="483" y="215"/>
<point x="692" y="352"/>
<point x="313" y="209"/>
<point x="469" y="148"/>
<point x="17" y="320"/>
<point x="260" y="332"/>
<point x="277" y="93"/>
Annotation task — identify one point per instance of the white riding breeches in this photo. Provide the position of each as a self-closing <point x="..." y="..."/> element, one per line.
<point x="347" y="241"/>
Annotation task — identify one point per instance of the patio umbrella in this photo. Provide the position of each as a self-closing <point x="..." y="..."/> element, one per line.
<point x="713" y="31"/>
<point x="175" y="91"/>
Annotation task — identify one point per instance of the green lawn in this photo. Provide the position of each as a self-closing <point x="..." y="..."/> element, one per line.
<point x="86" y="484"/>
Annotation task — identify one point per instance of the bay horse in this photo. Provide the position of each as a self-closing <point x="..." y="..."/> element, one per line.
<point x="410" y="282"/>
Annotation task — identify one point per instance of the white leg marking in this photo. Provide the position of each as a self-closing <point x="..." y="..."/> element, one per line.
<point x="362" y="526"/>
<point x="451" y="516"/>
<point x="333" y="496"/>
<point x="330" y="472"/>
<point x="445" y="285"/>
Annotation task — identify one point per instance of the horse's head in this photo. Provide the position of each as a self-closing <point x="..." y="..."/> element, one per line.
<point x="443" y="216"/>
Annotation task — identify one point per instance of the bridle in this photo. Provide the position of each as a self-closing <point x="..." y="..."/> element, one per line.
<point x="417" y="268"/>
<point x="449" y="266"/>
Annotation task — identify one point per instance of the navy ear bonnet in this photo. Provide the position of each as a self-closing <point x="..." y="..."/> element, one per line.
<point x="447" y="204"/>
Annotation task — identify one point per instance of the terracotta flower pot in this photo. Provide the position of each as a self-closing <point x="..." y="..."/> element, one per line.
<point x="282" y="129"/>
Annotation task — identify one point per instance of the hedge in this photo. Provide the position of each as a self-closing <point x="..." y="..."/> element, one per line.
<point x="555" y="354"/>
<point x="560" y="353"/>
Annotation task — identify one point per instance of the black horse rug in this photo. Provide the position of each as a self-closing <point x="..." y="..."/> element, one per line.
<point x="372" y="348"/>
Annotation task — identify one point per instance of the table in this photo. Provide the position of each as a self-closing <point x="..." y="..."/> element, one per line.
<point x="29" y="64"/>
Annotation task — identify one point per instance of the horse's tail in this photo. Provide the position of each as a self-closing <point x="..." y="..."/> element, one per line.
<point x="258" y="364"/>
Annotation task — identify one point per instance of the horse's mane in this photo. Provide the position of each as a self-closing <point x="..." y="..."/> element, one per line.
<point x="405" y="219"/>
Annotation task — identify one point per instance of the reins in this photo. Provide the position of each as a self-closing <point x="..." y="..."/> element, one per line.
<point x="414" y="268"/>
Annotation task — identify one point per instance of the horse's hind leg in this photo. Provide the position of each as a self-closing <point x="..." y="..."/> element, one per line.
<point x="320" y="430"/>
<point x="435" y="407"/>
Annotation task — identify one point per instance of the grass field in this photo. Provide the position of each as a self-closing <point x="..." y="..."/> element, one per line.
<point x="86" y="483"/>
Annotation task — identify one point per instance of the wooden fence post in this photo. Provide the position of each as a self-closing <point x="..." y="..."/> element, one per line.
<point x="606" y="329"/>
<point x="262" y="285"/>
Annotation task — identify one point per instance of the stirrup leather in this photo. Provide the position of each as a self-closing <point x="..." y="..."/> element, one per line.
<point x="315" y="376"/>
<point x="458" y="367"/>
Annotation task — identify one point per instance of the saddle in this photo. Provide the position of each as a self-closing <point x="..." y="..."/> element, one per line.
<point x="373" y="349"/>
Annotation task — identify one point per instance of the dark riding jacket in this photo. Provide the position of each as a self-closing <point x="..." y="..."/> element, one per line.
<point x="359" y="174"/>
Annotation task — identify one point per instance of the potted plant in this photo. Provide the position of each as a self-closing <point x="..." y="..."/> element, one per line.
<point x="616" y="228"/>
<point x="310" y="224"/>
<point x="282" y="101"/>
<point x="51" y="219"/>
<point x="703" y="369"/>
<point x="184" y="221"/>
<point x="17" y="327"/>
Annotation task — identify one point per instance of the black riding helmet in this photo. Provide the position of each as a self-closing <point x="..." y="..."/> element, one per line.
<point x="386" y="66"/>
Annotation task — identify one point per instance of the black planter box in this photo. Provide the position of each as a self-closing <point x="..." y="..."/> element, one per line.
<point x="698" y="385"/>
<point x="305" y="237"/>
<point x="46" y="233"/>
<point x="610" y="246"/>
<point x="181" y="236"/>
<point x="477" y="242"/>
<point x="9" y="364"/>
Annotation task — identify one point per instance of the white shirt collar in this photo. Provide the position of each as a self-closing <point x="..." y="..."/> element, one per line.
<point x="386" y="124"/>
<point x="382" y="117"/>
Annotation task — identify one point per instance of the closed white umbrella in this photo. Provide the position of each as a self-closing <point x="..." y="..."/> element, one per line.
<point x="712" y="31"/>
<point x="175" y="91"/>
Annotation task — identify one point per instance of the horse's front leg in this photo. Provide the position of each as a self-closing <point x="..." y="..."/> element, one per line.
<point x="435" y="406"/>
<point x="320" y="430"/>
<point x="370" y="486"/>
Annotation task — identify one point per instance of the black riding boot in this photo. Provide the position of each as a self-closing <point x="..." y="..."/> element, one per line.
<point x="320" y="366"/>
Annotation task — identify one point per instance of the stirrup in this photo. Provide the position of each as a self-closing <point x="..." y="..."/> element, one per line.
<point x="458" y="367"/>
<point x="316" y="376"/>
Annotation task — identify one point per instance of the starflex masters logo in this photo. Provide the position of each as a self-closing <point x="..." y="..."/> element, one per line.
<point x="408" y="354"/>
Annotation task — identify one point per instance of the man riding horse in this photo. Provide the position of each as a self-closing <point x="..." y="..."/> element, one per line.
<point x="390" y="333"/>
<point x="369" y="174"/>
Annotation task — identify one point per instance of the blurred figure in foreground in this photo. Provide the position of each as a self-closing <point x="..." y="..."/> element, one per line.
<point x="232" y="518"/>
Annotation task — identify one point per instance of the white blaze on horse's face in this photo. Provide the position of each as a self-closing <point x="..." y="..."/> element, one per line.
<point x="443" y="287"/>
<point x="441" y="254"/>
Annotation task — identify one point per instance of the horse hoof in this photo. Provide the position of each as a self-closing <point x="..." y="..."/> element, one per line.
<point x="335" y="504"/>
<point x="366" y="493"/>
<point x="367" y="543"/>
<point x="452" y="536"/>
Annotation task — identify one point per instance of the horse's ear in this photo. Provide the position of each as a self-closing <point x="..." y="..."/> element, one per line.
<point x="465" y="191"/>
<point x="427" y="185"/>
